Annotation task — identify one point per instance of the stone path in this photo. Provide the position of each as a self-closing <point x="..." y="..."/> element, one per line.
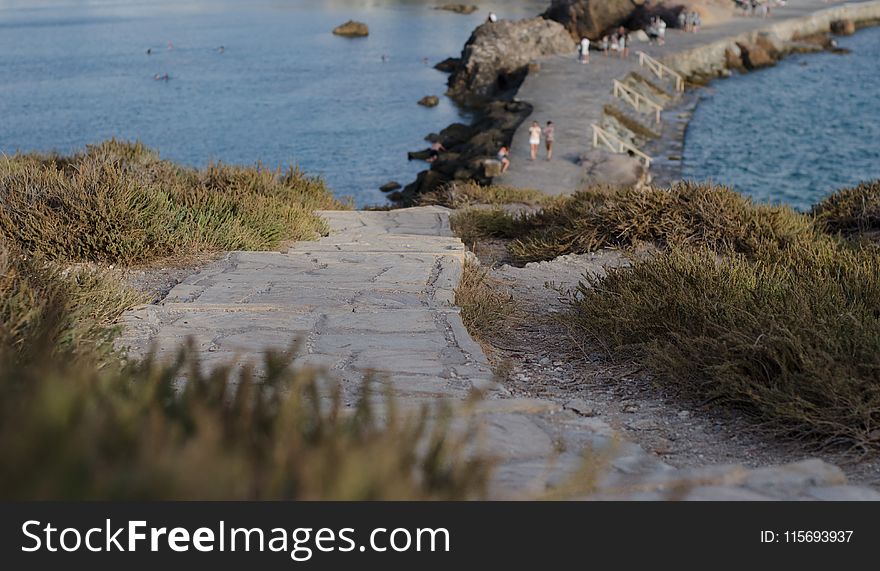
<point x="377" y="294"/>
<point x="573" y="95"/>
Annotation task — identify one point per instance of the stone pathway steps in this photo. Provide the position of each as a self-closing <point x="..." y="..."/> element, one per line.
<point x="377" y="294"/>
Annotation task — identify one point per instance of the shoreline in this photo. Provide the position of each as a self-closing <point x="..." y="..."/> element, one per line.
<point x="700" y="58"/>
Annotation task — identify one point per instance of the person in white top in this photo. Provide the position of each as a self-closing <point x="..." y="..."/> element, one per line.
<point x="584" y="50"/>
<point x="534" y="138"/>
<point x="492" y="17"/>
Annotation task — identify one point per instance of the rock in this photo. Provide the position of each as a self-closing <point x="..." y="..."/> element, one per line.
<point x="733" y="58"/>
<point x="496" y="58"/>
<point x="429" y="101"/>
<point x="580" y="407"/>
<point x="418" y="155"/>
<point x="448" y="65"/>
<point x="591" y="18"/>
<point x="352" y="29"/>
<point x="389" y="186"/>
<point x="754" y="56"/>
<point x="843" y="27"/>
<point x="459" y="8"/>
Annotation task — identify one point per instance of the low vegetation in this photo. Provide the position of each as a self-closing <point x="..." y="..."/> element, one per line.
<point x="119" y="203"/>
<point x="851" y="211"/>
<point x="753" y="306"/>
<point x="486" y="309"/>
<point x="463" y="194"/>
<point x="70" y="430"/>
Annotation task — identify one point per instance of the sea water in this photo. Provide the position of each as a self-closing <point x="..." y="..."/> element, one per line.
<point x="283" y="90"/>
<point x="795" y="132"/>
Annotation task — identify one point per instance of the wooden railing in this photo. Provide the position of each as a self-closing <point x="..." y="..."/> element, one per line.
<point x="636" y="99"/>
<point x="661" y="70"/>
<point x="615" y="144"/>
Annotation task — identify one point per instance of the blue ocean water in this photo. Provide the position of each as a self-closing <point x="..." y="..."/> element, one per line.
<point x="283" y="91"/>
<point x="795" y="132"/>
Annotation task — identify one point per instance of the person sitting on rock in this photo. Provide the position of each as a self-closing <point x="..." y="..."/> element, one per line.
<point x="435" y="150"/>
<point x="503" y="158"/>
<point x="492" y="18"/>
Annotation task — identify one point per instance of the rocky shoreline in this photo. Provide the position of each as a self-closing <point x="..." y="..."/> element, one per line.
<point x="763" y="49"/>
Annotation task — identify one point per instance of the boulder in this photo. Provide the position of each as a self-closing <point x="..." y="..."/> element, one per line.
<point x="496" y="58"/>
<point x="843" y="27"/>
<point x="352" y="29"/>
<point x="591" y="18"/>
<point x="459" y="8"/>
<point x="429" y="101"/>
<point x="754" y="56"/>
<point x="448" y="65"/>
<point x="389" y="186"/>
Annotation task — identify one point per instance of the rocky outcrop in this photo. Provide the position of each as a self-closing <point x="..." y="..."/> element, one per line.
<point x="843" y="27"/>
<point x="591" y="18"/>
<point x="429" y="101"/>
<point x="390" y="186"/>
<point x="468" y="147"/>
<point x="448" y="65"/>
<point x="352" y="29"/>
<point x="496" y="58"/>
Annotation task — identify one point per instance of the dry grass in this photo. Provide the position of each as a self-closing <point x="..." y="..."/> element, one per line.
<point x="70" y="430"/>
<point x="463" y="194"/>
<point x="119" y="203"/>
<point x="851" y="211"/>
<point x="486" y="309"/>
<point x="686" y="214"/>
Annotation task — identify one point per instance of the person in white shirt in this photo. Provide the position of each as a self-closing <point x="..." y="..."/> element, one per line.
<point x="584" y="50"/>
<point x="534" y="139"/>
<point x="492" y="18"/>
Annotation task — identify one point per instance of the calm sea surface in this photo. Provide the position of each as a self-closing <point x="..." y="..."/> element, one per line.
<point x="284" y="90"/>
<point x="795" y="132"/>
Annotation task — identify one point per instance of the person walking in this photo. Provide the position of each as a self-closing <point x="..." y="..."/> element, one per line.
<point x="534" y="139"/>
<point x="549" y="138"/>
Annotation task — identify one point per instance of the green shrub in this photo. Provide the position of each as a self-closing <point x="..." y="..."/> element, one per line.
<point x="119" y="203"/>
<point x="851" y="211"/>
<point x="791" y="336"/>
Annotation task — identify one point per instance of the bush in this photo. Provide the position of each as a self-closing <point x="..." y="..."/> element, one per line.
<point x="851" y="211"/>
<point x="485" y="308"/>
<point x="790" y="336"/>
<point x="69" y="430"/>
<point x="686" y="214"/>
<point x="58" y="312"/>
<point x="119" y="203"/>
<point x="461" y="194"/>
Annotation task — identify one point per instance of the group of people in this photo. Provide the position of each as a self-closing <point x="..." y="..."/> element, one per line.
<point x="762" y="8"/>
<point x="689" y="21"/>
<point x="618" y="42"/>
<point x="656" y="30"/>
<point x="536" y="134"/>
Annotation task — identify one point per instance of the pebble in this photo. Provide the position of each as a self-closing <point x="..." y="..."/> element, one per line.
<point x="631" y="408"/>
<point x="684" y="414"/>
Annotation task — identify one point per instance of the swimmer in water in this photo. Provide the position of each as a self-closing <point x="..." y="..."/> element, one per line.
<point x="149" y="51"/>
<point x="221" y="49"/>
